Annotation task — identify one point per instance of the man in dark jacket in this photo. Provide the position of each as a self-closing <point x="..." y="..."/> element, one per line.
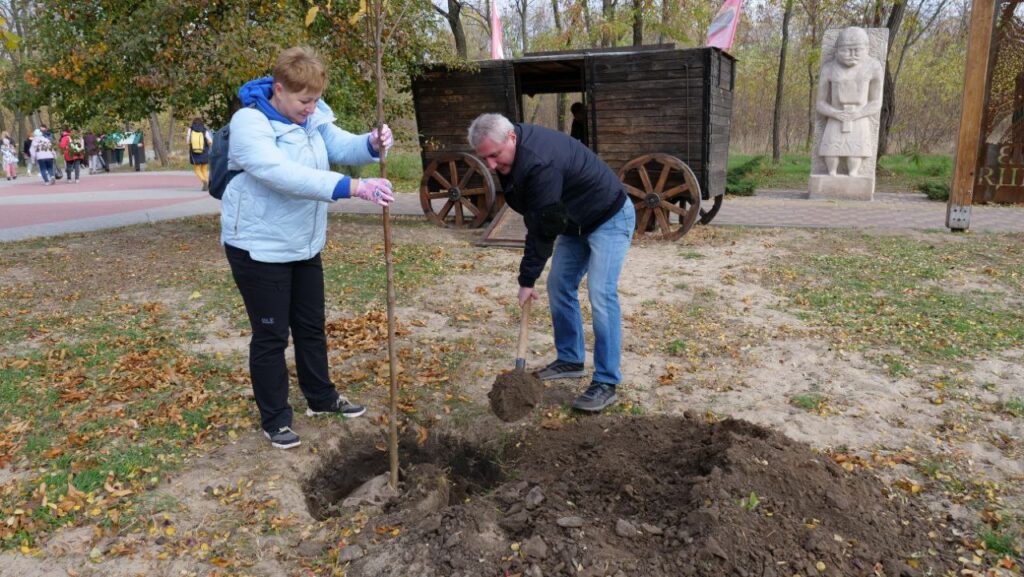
<point x="576" y="213"/>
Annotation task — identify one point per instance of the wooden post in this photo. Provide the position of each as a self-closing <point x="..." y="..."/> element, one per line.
<point x="972" y="113"/>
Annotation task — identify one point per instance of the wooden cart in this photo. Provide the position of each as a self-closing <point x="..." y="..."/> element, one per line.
<point x="659" y="116"/>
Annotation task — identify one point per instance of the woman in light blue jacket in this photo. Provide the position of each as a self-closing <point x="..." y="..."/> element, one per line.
<point x="274" y="225"/>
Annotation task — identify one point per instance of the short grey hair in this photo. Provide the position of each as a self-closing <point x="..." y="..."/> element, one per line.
<point x="491" y="125"/>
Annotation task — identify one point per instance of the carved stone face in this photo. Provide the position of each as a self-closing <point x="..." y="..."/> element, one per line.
<point x="851" y="46"/>
<point x="850" y="55"/>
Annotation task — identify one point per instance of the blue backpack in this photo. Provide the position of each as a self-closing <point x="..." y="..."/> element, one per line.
<point x="220" y="176"/>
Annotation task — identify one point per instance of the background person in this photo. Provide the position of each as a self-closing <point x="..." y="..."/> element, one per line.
<point x="576" y="213"/>
<point x="274" y="225"/>
<point x="74" y="153"/>
<point x="578" y="129"/>
<point x="199" y="141"/>
<point x="26" y="151"/>
<point x="41" y="152"/>
<point x="9" y="155"/>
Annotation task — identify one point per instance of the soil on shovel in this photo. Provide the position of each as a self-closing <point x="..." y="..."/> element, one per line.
<point x="515" y="394"/>
<point x="628" y="496"/>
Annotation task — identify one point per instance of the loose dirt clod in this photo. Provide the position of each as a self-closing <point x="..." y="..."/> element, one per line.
<point x="643" y="496"/>
<point x="515" y="394"/>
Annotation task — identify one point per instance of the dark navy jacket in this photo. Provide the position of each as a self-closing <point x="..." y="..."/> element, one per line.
<point x="560" y="187"/>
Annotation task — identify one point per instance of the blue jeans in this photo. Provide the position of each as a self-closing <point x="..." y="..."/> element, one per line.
<point x="46" y="168"/>
<point x="600" y="255"/>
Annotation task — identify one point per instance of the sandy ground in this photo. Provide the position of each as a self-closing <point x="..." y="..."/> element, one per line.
<point x="704" y="332"/>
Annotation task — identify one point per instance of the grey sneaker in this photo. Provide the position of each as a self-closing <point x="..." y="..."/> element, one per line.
<point x="340" y="407"/>
<point x="561" y="370"/>
<point x="596" y="398"/>
<point x="284" y="438"/>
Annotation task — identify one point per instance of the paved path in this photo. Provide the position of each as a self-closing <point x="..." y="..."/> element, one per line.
<point x="28" y="209"/>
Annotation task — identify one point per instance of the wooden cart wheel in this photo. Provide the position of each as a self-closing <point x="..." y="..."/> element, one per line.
<point x="457" y="191"/>
<point x="707" y="214"/>
<point x="674" y="192"/>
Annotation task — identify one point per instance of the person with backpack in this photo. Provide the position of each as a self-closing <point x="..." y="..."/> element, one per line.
<point x="199" y="141"/>
<point x="274" y="225"/>
<point x="42" y="153"/>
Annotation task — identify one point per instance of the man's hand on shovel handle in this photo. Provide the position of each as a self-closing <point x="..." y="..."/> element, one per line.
<point x="527" y="293"/>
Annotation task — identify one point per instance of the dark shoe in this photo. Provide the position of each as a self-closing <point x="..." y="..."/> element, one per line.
<point x="340" y="407"/>
<point x="206" y="186"/>
<point x="596" y="398"/>
<point x="561" y="370"/>
<point x="284" y="438"/>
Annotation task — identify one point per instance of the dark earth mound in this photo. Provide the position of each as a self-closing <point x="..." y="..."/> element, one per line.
<point x="629" y="496"/>
<point x="515" y="394"/>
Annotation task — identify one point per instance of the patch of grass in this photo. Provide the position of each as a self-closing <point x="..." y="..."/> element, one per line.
<point x="691" y="254"/>
<point x="893" y="291"/>
<point x="895" y="172"/>
<point x="896" y="367"/>
<point x="934" y="190"/>
<point x="357" y="275"/>
<point x="999" y="542"/>
<point x="809" y="401"/>
<point x="1014" y="407"/>
<point x="676" y="347"/>
<point x="405" y="169"/>
<point x="741" y="174"/>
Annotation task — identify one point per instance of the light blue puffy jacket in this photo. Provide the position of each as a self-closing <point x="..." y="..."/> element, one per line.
<point x="276" y="209"/>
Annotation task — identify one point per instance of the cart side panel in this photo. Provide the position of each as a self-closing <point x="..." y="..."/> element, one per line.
<point x="720" y="91"/>
<point x="446" y="102"/>
<point x="648" y="103"/>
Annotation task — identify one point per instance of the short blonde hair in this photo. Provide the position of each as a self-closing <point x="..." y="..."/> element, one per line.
<point x="300" y="68"/>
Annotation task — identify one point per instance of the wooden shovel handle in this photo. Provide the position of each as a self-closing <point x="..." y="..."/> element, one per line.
<point x="524" y="323"/>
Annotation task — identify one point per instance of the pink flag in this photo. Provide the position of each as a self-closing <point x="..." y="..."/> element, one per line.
<point x="723" y="27"/>
<point x="497" y="48"/>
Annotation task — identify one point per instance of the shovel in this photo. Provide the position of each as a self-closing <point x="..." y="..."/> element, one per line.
<point x="517" y="392"/>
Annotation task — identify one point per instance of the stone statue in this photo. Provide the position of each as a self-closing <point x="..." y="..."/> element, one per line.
<point x="848" y="105"/>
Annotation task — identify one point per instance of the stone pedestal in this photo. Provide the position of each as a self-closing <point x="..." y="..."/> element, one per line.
<point x="842" y="187"/>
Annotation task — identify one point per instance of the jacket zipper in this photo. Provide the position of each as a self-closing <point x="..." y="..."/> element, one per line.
<point x="316" y="207"/>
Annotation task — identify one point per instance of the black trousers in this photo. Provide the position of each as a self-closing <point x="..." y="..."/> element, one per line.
<point x="283" y="297"/>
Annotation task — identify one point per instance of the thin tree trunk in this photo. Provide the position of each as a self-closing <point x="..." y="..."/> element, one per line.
<point x="777" y="113"/>
<point x="638" y="22"/>
<point x="170" y="132"/>
<point x="587" y="20"/>
<point x="607" y="16"/>
<point x="560" y="100"/>
<point x="666" y="16"/>
<point x="888" y="112"/>
<point x="454" y="18"/>
<point x="158" y="139"/>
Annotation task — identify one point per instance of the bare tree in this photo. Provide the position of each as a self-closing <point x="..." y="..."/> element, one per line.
<point x="918" y="23"/>
<point x="454" y="17"/>
<point x="779" y="81"/>
<point x="523" y="10"/>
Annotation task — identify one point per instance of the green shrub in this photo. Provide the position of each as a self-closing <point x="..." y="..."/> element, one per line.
<point x="934" y="190"/>
<point x="741" y="180"/>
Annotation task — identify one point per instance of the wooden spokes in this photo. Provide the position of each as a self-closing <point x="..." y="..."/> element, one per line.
<point x="457" y="191"/>
<point x="664" y="192"/>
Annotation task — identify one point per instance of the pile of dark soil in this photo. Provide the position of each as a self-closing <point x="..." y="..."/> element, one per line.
<point x="515" y="394"/>
<point x="621" y="496"/>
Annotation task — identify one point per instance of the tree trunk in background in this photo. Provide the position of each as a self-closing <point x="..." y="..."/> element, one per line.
<point x="638" y="22"/>
<point x="888" y="112"/>
<point x="158" y="139"/>
<point x="170" y="132"/>
<point x="666" y="16"/>
<point x="607" y="16"/>
<point x="777" y="112"/>
<point x="560" y="100"/>
<point x="454" y="18"/>
<point x="19" y="121"/>
<point x="588" y="24"/>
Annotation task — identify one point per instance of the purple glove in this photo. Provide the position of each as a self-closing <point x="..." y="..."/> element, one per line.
<point x="381" y="139"/>
<point x="375" y="190"/>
